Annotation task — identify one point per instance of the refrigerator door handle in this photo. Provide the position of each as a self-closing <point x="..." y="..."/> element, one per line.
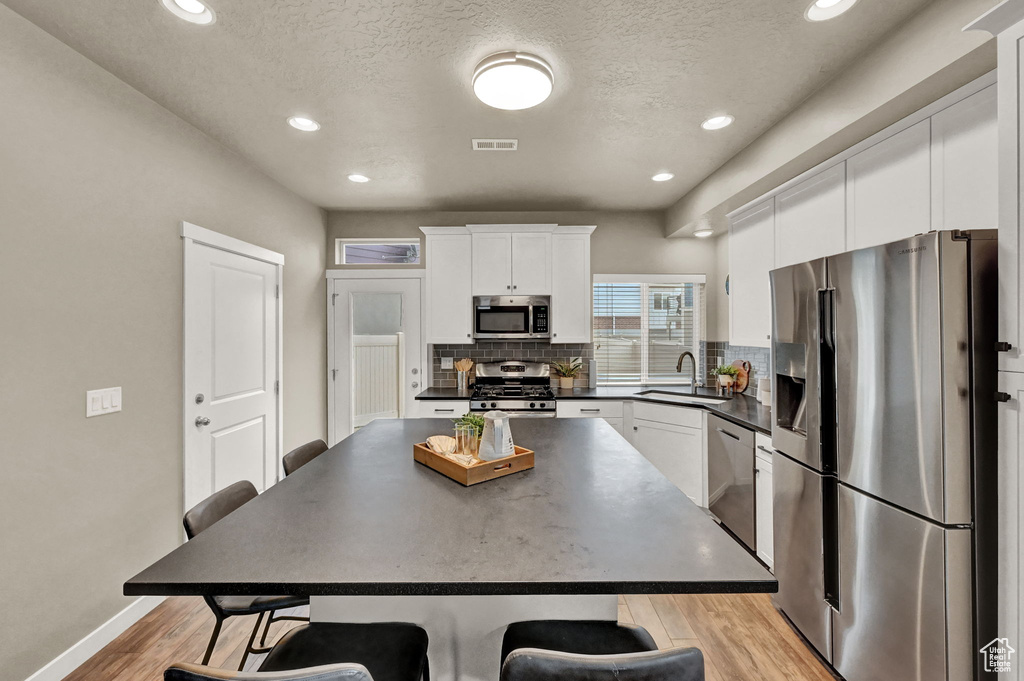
<point x="827" y="379"/>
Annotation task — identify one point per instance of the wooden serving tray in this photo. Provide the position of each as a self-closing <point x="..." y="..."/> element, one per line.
<point x="522" y="460"/>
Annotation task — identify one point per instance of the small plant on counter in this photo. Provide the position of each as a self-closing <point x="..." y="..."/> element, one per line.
<point x="567" y="371"/>
<point x="475" y="420"/>
<point x="726" y="370"/>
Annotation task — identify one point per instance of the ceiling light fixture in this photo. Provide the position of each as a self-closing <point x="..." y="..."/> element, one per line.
<point x="356" y="177"/>
<point x="663" y="177"/>
<point x="717" y="122"/>
<point x="191" y="11"/>
<point x="823" y="10"/>
<point x="703" y="232"/>
<point x="512" y="81"/>
<point x="304" y="124"/>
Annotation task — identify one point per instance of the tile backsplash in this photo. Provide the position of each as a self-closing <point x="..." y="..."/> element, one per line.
<point x="714" y="353"/>
<point x="492" y="351"/>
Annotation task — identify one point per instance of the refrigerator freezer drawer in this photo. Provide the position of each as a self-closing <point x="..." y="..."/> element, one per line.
<point x="799" y="558"/>
<point x="904" y="595"/>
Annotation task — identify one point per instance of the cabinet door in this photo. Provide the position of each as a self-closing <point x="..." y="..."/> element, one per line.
<point x="888" y="189"/>
<point x="751" y="257"/>
<point x="437" y="409"/>
<point x="810" y="218"/>
<point x="1011" y="512"/>
<point x="571" y="289"/>
<point x="1011" y="189"/>
<point x="492" y="264"/>
<point x="763" y="510"/>
<point x="675" y="451"/>
<point x="531" y="263"/>
<point x="965" y="164"/>
<point x="448" y="300"/>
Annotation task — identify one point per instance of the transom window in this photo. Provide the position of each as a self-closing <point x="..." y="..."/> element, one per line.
<point x="643" y="323"/>
<point x="381" y="252"/>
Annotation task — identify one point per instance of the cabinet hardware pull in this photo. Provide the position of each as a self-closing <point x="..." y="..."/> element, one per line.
<point x="1003" y="346"/>
<point x="589" y="410"/>
<point x="1003" y="397"/>
<point x="766" y="451"/>
<point x="443" y="410"/>
<point x="726" y="432"/>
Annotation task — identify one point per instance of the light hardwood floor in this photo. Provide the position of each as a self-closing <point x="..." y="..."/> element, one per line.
<point x="742" y="636"/>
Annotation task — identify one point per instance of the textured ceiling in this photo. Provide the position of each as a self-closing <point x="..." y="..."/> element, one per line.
<point x="389" y="81"/>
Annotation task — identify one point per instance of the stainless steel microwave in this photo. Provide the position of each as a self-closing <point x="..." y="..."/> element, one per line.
<point x="523" y="317"/>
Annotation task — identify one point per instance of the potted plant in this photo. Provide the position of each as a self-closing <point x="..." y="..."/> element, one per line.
<point x="726" y="374"/>
<point x="567" y="371"/>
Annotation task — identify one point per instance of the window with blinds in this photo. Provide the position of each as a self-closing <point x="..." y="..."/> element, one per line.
<point x="641" y="329"/>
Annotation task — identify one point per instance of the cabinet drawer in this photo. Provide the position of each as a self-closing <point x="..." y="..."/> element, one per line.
<point x="572" y="409"/>
<point x="763" y="447"/>
<point x="663" y="413"/>
<point x="442" y="408"/>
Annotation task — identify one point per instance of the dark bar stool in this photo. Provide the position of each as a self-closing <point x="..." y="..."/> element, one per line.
<point x="333" y="672"/>
<point x="532" y="664"/>
<point x="300" y="456"/>
<point x="326" y="651"/>
<point x="581" y="637"/>
<point x="202" y="516"/>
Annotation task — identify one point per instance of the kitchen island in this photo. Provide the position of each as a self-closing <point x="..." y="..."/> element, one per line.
<point x="371" y="535"/>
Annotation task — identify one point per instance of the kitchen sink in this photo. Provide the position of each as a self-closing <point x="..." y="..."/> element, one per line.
<point x="681" y="398"/>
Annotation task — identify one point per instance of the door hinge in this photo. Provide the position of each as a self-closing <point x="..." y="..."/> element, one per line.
<point x="1003" y="397"/>
<point x="277" y="291"/>
<point x="334" y="374"/>
<point x="1003" y="346"/>
<point x="334" y="298"/>
<point x="277" y="387"/>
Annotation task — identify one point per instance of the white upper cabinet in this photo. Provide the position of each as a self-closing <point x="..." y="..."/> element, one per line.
<point x="810" y="218"/>
<point x="888" y="189"/>
<point x="531" y="263"/>
<point x="449" y="304"/>
<point x="965" y="178"/>
<point x="571" y="289"/>
<point x="491" y="263"/>
<point x="751" y="258"/>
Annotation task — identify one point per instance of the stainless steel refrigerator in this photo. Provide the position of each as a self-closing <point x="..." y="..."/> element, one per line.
<point x="884" y="424"/>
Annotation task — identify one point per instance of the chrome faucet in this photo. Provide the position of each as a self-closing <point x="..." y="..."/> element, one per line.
<point x="693" y="363"/>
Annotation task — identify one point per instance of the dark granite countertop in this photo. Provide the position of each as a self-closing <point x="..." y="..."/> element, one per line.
<point x="593" y="517"/>
<point x="743" y="408"/>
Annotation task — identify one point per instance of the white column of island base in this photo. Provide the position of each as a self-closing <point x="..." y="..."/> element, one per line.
<point x="465" y="631"/>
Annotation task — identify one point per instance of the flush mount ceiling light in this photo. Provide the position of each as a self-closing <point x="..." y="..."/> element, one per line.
<point x="304" y="124"/>
<point x="717" y="122"/>
<point x="663" y="177"/>
<point x="356" y="177"/>
<point x="192" y="11"/>
<point x="703" y="232"/>
<point x="512" y="81"/>
<point x="823" y="10"/>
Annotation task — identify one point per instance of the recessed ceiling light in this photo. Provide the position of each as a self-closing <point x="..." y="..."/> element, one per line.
<point x="703" y="232"/>
<point x="190" y="10"/>
<point x="663" y="177"/>
<point x="304" y="124"/>
<point x="355" y="177"/>
<point x="822" y="10"/>
<point x="717" y="122"/>
<point x="512" y="81"/>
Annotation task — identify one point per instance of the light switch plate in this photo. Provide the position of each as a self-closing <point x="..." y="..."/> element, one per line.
<point x="105" y="401"/>
<point x="447" y="362"/>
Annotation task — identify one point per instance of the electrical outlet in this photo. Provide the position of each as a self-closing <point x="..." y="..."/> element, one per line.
<point x="447" y="362"/>
<point x="105" y="401"/>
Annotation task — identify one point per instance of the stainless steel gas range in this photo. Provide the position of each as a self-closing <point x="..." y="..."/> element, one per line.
<point x="521" y="389"/>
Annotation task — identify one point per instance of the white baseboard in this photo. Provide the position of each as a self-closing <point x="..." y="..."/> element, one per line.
<point x="72" y="658"/>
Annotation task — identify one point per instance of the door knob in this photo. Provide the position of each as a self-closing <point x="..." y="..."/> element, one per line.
<point x="202" y="421"/>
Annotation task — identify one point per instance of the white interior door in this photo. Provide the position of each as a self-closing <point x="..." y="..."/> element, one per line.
<point x="376" y="354"/>
<point x="231" y="370"/>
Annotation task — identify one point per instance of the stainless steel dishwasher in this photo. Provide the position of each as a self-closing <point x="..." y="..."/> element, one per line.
<point x="731" y="477"/>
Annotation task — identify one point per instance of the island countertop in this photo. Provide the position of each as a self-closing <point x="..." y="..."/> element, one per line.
<point x="593" y="517"/>
<point x="743" y="409"/>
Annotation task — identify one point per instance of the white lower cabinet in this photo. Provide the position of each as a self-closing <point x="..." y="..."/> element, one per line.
<point x="608" y="410"/>
<point x="675" y="450"/>
<point x="436" y="409"/>
<point x="763" y="510"/>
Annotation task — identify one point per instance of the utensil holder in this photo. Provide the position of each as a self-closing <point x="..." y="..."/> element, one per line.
<point x="463" y="380"/>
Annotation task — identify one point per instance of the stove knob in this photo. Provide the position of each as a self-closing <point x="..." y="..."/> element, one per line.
<point x="533" y="404"/>
<point x="543" y="404"/>
<point x="493" y="405"/>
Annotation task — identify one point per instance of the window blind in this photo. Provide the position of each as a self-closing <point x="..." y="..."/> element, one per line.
<point x="641" y="329"/>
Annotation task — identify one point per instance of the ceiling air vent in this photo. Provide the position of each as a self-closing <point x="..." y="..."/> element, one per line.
<point x="495" y="145"/>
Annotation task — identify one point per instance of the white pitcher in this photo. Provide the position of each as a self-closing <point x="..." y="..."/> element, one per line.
<point x="496" y="442"/>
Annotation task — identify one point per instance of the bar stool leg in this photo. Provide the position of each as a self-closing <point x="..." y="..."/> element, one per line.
<point x="252" y="637"/>
<point x="213" y="639"/>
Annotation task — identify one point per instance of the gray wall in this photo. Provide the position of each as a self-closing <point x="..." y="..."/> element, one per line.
<point x="94" y="179"/>
<point x="625" y="242"/>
